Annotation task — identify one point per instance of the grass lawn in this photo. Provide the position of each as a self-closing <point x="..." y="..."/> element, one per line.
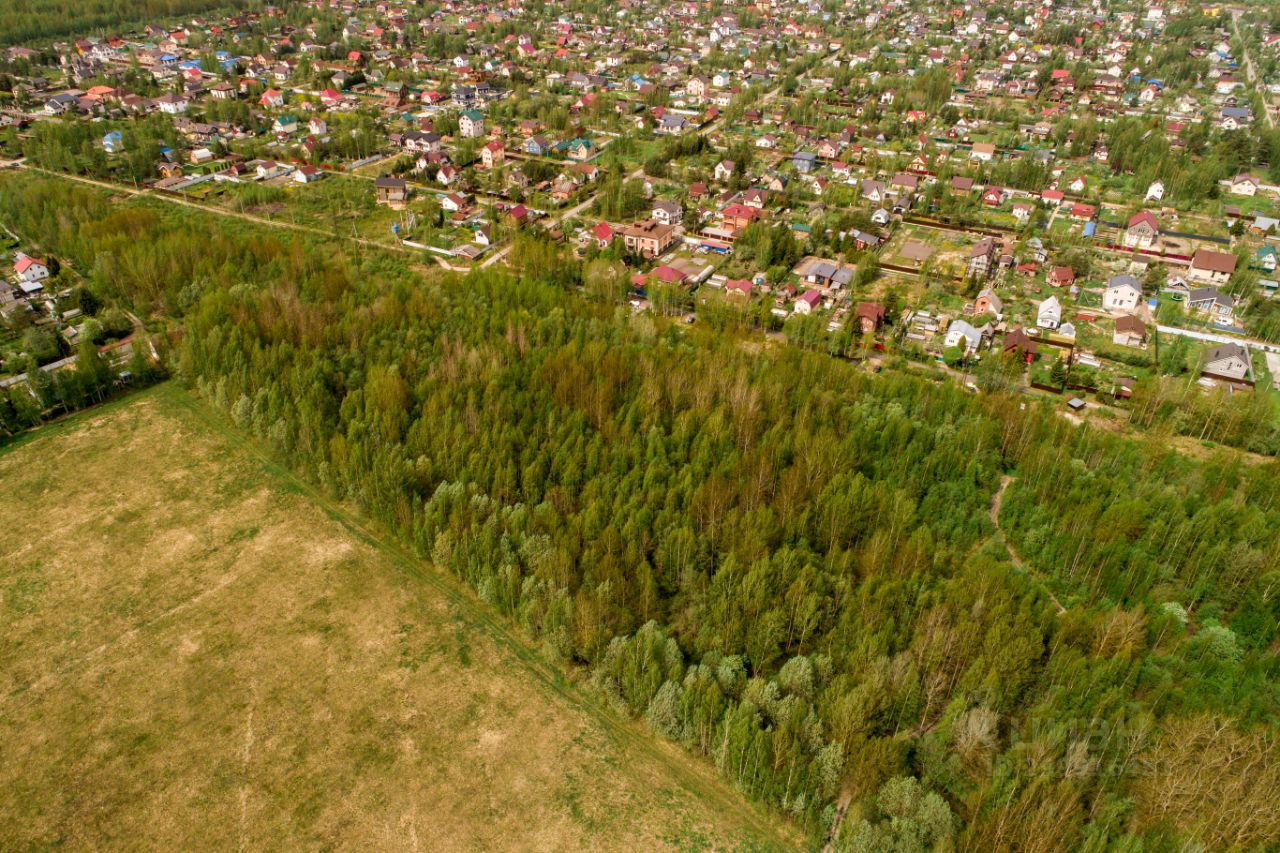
<point x="201" y="652"/>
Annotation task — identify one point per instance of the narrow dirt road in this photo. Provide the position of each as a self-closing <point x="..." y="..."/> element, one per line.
<point x="996" y="502"/>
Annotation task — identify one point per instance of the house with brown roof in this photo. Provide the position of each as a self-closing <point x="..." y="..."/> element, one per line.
<point x="1210" y="267"/>
<point x="1019" y="343"/>
<point x="1129" y="332"/>
<point x="649" y="238"/>
<point x="981" y="259"/>
<point x="870" y="316"/>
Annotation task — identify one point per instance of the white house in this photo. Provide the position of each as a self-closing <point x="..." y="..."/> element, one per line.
<point x="1210" y="267"/>
<point x="965" y="336"/>
<point x="808" y="302"/>
<point x="1230" y="361"/>
<point x="1143" y="231"/>
<point x="1123" y="293"/>
<point x="172" y="104"/>
<point x="30" y="272"/>
<point x="1246" y="185"/>
<point x="1155" y="192"/>
<point x="471" y="124"/>
<point x="1049" y="315"/>
<point x="984" y="151"/>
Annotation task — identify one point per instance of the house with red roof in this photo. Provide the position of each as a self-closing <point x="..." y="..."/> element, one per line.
<point x="31" y="271"/>
<point x="1062" y="276"/>
<point x="739" y="215"/>
<point x="1083" y="212"/>
<point x="1143" y="231"/>
<point x="668" y="275"/>
<point x="493" y="154"/>
<point x="808" y="302"/>
<point x="603" y="233"/>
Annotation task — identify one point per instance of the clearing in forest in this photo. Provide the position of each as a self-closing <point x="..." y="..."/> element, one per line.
<point x="199" y="652"/>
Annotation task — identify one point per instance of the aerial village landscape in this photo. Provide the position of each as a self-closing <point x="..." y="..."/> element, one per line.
<point x="841" y="425"/>
<point x="1078" y="187"/>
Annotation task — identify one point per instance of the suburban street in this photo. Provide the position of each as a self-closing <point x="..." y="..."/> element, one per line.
<point x="1251" y="72"/>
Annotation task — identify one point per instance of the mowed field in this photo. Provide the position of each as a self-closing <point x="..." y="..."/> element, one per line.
<point x="198" y="652"/>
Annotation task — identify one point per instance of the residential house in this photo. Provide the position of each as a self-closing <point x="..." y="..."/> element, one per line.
<point x="1143" y="231"/>
<point x="981" y="259"/>
<point x="603" y="234"/>
<point x="1227" y="361"/>
<point x="307" y="174"/>
<point x="1246" y="185"/>
<point x="808" y="302"/>
<point x="1021" y="344"/>
<point x="804" y="161"/>
<point x="492" y="155"/>
<point x="965" y="336"/>
<point x="983" y="151"/>
<point x="904" y="183"/>
<point x="1123" y="293"/>
<point x="739" y="216"/>
<point x="649" y="238"/>
<point x="1061" y="276"/>
<point x="672" y="124"/>
<point x="988" y="303"/>
<point x="471" y="124"/>
<point x="31" y="272"/>
<point x="1210" y="267"/>
<point x="421" y="141"/>
<point x="870" y="317"/>
<point x="1234" y="118"/>
<point x="1209" y="300"/>
<point x="873" y="190"/>
<point x="1049" y="314"/>
<point x="391" y="191"/>
<point x="1266" y="258"/>
<point x="173" y="104"/>
<point x="1129" y="332"/>
<point x="667" y="212"/>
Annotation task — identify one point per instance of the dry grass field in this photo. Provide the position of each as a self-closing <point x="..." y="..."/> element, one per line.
<point x="199" y="652"/>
